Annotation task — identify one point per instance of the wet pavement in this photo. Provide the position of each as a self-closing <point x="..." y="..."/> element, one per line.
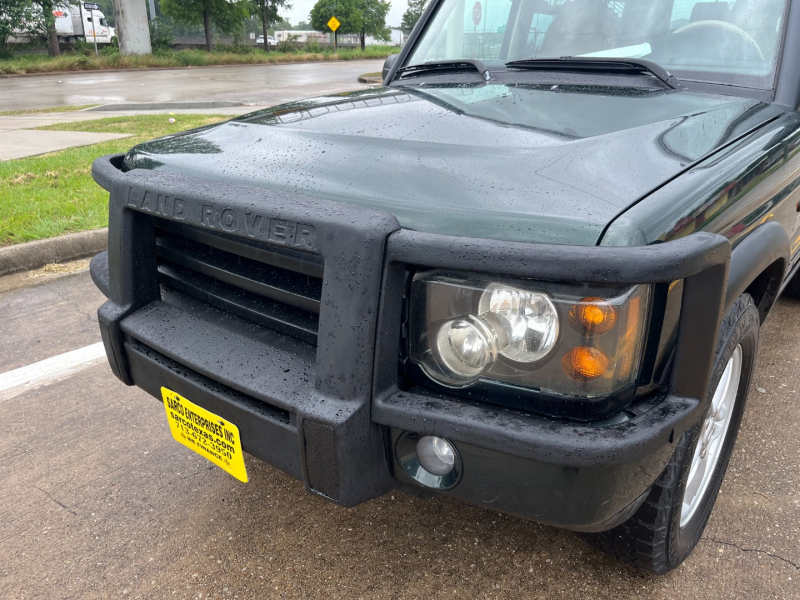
<point x="98" y="501"/>
<point x="256" y="84"/>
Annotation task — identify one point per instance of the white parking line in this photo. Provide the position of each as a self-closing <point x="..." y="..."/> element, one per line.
<point x="13" y="383"/>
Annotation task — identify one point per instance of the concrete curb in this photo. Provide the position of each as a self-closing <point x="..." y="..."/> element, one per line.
<point x="34" y="255"/>
<point x="362" y="79"/>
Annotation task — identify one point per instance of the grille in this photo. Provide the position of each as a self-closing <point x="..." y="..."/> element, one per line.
<point x="274" y="287"/>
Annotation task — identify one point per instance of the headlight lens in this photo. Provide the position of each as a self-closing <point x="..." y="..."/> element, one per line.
<point x="467" y="347"/>
<point x="529" y="321"/>
<point x="559" y="339"/>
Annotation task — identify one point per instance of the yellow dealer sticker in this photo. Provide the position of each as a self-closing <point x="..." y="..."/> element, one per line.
<point x="204" y="432"/>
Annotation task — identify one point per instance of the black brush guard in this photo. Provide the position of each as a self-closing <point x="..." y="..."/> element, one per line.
<point x="326" y="414"/>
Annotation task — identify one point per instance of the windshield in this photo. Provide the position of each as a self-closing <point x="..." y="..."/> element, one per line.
<point x="728" y="42"/>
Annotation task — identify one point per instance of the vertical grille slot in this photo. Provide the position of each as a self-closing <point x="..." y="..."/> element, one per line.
<point x="275" y="287"/>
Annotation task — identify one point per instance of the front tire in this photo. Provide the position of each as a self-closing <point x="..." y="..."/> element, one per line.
<point x="666" y="528"/>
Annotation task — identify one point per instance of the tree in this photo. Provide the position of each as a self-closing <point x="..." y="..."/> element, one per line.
<point x="16" y="16"/>
<point x="267" y="11"/>
<point x="48" y="23"/>
<point x="373" y="20"/>
<point x="346" y="12"/>
<point x="412" y="14"/>
<point x="227" y="16"/>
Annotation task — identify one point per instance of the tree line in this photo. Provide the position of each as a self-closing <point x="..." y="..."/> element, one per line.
<point x="361" y="17"/>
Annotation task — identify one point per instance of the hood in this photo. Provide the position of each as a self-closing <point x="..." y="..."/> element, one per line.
<point x="552" y="164"/>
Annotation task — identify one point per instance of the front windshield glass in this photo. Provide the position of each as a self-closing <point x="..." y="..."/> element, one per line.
<point x="734" y="42"/>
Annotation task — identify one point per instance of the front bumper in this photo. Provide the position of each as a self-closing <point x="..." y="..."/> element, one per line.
<point x="329" y="414"/>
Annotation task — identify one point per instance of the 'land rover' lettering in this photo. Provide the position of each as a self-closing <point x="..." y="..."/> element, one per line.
<point x="250" y="223"/>
<point x="257" y="226"/>
<point x="253" y="222"/>
<point x="160" y="204"/>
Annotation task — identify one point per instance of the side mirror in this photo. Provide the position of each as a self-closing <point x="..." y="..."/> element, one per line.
<point x="387" y="64"/>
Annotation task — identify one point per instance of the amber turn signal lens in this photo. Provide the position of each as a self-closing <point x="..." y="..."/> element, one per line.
<point x="584" y="364"/>
<point x="592" y="315"/>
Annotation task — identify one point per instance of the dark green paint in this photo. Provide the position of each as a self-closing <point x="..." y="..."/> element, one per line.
<point x="500" y="161"/>
<point x="731" y="193"/>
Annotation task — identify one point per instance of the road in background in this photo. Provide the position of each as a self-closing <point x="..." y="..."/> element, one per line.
<point x="98" y="501"/>
<point x="256" y="84"/>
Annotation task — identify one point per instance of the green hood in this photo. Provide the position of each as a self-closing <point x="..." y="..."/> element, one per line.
<point x="507" y="162"/>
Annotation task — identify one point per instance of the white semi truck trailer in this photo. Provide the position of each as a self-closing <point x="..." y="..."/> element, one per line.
<point x="75" y="21"/>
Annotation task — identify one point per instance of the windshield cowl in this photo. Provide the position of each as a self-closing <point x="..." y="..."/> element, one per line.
<point x="611" y="65"/>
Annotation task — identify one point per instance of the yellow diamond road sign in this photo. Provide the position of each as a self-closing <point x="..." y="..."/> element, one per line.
<point x="334" y="23"/>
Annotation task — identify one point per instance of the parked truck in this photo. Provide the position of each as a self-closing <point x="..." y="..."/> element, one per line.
<point x="75" y="21"/>
<point x="529" y="272"/>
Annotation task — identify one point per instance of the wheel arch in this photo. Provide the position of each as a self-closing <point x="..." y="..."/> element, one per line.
<point x="758" y="266"/>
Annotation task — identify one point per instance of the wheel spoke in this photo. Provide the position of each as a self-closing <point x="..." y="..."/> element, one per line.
<point x="713" y="432"/>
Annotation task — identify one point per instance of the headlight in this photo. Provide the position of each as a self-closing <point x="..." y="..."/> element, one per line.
<point x="529" y="321"/>
<point x="552" y="339"/>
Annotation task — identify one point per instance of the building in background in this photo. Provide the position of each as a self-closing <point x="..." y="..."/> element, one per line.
<point x="397" y="38"/>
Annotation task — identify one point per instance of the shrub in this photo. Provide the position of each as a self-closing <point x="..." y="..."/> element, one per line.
<point x="83" y="47"/>
<point x="316" y="48"/>
<point x="186" y="58"/>
<point x="235" y="48"/>
<point x="161" y="34"/>
<point x="289" y="44"/>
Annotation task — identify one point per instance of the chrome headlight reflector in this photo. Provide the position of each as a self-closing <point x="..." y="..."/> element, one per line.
<point x="565" y="340"/>
<point x="529" y="319"/>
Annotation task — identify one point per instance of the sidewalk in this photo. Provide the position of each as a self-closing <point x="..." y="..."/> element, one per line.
<point x="20" y="139"/>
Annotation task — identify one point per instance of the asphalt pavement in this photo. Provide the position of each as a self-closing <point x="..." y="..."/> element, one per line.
<point x="98" y="501"/>
<point x="252" y="84"/>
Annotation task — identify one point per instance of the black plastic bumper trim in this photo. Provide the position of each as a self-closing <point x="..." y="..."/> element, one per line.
<point x="352" y="386"/>
<point x="531" y="437"/>
<point x="700" y="260"/>
<point x="281" y="375"/>
<point x="98" y="269"/>
<point x="581" y="499"/>
<point x="332" y="386"/>
<point x="267" y="433"/>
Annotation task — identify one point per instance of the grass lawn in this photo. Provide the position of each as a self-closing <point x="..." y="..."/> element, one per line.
<point x="53" y="194"/>
<point x="37" y="63"/>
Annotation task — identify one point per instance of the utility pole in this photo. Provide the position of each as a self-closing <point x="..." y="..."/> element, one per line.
<point x="133" y="29"/>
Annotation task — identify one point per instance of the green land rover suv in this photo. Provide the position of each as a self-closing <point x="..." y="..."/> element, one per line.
<point x="528" y="271"/>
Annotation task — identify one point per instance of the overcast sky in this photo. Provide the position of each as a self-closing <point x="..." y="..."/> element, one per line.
<point x="301" y="8"/>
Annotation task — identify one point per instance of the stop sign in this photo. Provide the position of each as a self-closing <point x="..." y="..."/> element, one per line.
<point x="477" y="13"/>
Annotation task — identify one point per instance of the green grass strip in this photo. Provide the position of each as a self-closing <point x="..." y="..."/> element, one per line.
<point x="53" y="194"/>
<point x="28" y="64"/>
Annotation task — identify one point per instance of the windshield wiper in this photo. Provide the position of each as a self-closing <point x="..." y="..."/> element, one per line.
<point x="600" y="64"/>
<point x="445" y="66"/>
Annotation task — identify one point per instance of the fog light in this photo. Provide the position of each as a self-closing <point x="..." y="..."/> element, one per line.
<point x="431" y="461"/>
<point x="436" y="455"/>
